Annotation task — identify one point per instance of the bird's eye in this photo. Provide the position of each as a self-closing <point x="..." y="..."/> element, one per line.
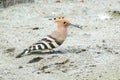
<point x="64" y="22"/>
<point x="54" y="18"/>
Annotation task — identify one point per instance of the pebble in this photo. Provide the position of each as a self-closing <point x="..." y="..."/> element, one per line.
<point x="20" y="67"/>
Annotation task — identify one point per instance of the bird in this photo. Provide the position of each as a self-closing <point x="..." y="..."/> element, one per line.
<point x="51" y="41"/>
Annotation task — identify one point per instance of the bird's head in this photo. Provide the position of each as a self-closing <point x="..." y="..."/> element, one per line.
<point x="62" y="22"/>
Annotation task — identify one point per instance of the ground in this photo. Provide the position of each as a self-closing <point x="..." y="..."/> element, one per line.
<point x="90" y="53"/>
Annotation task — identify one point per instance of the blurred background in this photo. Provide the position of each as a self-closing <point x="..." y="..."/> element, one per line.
<point x="7" y="3"/>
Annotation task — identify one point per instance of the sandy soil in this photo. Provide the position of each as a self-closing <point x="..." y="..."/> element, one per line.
<point x="92" y="53"/>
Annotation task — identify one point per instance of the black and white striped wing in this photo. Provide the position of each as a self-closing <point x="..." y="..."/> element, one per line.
<point x="45" y="45"/>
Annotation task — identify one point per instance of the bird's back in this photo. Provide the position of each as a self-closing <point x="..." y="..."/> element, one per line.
<point x="47" y="43"/>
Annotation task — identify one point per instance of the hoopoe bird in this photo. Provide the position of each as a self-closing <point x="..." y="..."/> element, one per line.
<point x="51" y="41"/>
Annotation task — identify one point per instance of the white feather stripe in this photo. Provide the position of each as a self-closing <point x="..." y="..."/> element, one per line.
<point x="42" y="46"/>
<point x="36" y="47"/>
<point x="55" y="44"/>
<point x="50" y="39"/>
<point x="26" y="53"/>
<point x="47" y="44"/>
<point x="44" y="51"/>
<point x="31" y="48"/>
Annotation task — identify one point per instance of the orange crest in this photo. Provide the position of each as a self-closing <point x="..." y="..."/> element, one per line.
<point x="61" y="21"/>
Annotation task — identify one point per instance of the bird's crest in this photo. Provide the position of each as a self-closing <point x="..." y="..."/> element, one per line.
<point x="61" y="21"/>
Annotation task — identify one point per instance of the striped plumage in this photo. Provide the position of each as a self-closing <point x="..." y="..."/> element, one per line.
<point x="48" y="43"/>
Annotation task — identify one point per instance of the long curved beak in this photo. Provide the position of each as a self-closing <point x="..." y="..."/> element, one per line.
<point x="74" y="25"/>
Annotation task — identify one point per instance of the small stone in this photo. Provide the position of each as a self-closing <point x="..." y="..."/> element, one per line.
<point x="105" y="48"/>
<point x="44" y="67"/>
<point x="114" y="11"/>
<point x="100" y="76"/>
<point x="103" y="41"/>
<point x="20" y="67"/>
<point x="92" y="65"/>
<point x="38" y="72"/>
<point x="116" y="52"/>
<point x="47" y="71"/>
<point x="78" y="52"/>
<point x="83" y="50"/>
<point x="35" y="28"/>
<point x="98" y="52"/>
<point x="58" y="1"/>
<point x="64" y="71"/>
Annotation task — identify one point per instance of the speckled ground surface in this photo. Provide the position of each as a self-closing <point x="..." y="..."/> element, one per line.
<point x="92" y="53"/>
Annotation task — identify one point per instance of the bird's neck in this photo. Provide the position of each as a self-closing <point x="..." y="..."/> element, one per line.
<point x="60" y="34"/>
<point x="62" y="29"/>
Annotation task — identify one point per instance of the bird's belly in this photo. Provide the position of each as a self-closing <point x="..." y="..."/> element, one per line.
<point x="41" y="51"/>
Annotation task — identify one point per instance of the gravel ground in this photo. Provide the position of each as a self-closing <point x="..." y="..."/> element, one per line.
<point x="89" y="54"/>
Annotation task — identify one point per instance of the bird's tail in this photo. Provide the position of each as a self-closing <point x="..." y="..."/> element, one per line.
<point x="24" y="53"/>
